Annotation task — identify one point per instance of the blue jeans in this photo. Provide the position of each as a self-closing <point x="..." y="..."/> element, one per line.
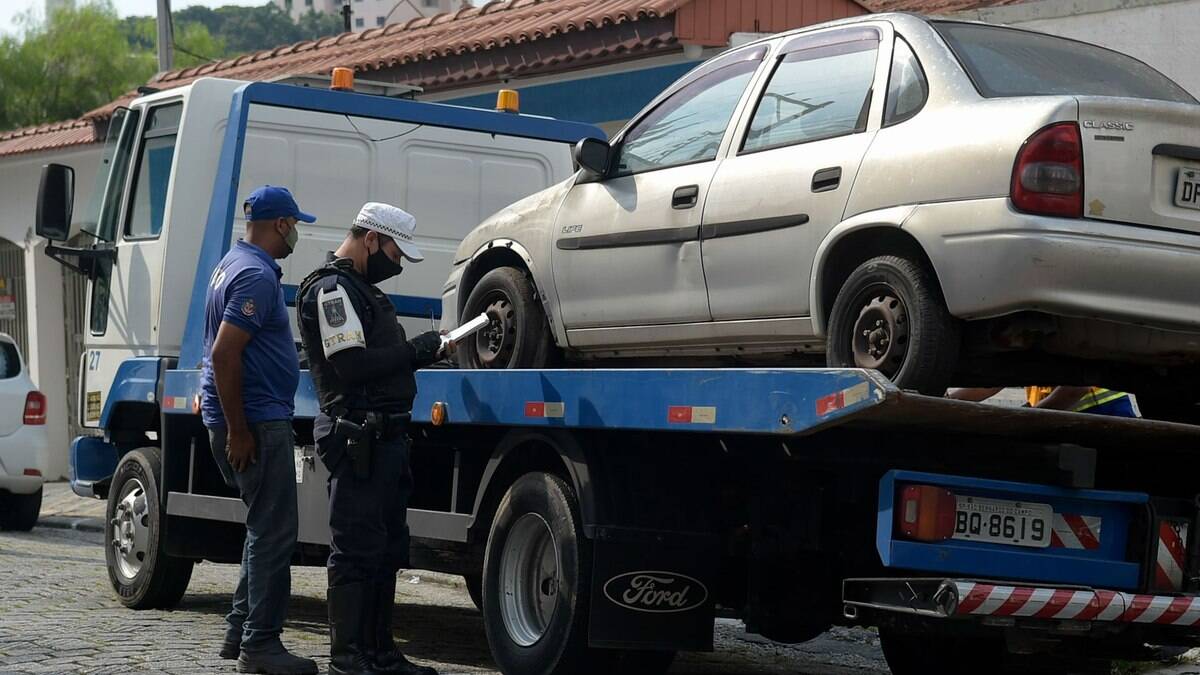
<point x="268" y="487"/>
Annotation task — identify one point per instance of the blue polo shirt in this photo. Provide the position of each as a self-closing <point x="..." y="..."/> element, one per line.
<point x="244" y="290"/>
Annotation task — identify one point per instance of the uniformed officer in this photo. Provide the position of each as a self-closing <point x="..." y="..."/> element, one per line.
<point x="362" y="366"/>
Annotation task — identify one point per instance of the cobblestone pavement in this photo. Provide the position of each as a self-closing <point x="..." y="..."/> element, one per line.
<point x="59" y="615"/>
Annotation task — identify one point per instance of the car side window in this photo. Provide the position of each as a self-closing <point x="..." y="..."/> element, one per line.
<point x="816" y="92"/>
<point x="10" y="361"/>
<point x="149" y="199"/>
<point x="687" y="127"/>
<point x="907" y="86"/>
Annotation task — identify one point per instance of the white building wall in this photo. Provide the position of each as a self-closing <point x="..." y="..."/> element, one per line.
<point x="43" y="304"/>
<point x="371" y="12"/>
<point x="1163" y="33"/>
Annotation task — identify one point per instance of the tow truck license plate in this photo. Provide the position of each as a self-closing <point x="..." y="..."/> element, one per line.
<point x="999" y="521"/>
<point x="1187" y="188"/>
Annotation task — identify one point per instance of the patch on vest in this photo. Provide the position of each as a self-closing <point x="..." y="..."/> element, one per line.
<point x="335" y="312"/>
<point x="248" y="307"/>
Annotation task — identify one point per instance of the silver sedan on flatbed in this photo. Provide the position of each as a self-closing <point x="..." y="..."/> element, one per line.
<point x="943" y="201"/>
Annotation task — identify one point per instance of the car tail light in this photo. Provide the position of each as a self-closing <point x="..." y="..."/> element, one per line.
<point x="926" y="512"/>
<point x="35" y="408"/>
<point x="1047" y="177"/>
<point x="33" y="472"/>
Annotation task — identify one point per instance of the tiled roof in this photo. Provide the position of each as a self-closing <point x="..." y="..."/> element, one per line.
<point x="48" y="137"/>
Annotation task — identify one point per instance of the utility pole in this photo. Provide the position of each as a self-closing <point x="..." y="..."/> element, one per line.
<point x="346" y="12"/>
<point x="166" y="51"/>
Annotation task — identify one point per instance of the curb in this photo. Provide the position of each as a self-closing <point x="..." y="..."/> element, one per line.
<point x="72" y="523"/>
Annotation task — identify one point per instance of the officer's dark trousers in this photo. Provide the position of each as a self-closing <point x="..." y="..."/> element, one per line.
<point x="368" y="518"/>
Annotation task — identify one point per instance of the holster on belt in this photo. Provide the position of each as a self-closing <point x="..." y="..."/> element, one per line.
<point x="360" y="440"/>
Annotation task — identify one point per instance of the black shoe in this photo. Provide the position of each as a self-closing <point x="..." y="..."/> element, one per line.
<point x="349" y="642"/>
<point x="388" y="659"/>
<point x="231" y="646"/>
<point x="275" y="661"/>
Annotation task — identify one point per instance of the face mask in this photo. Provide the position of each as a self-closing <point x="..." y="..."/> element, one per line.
<point x="380" y="267"/>
<point x="291" y="238"/>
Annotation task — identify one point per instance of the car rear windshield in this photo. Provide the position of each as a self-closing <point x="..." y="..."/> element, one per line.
<point x="1008" y="62"/>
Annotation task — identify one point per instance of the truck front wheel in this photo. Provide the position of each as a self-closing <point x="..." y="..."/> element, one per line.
<point x="140" y="571"/>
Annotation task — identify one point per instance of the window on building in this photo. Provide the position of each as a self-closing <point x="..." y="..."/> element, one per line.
<point x="815" y="93"/>
<point x="430" y="3"/>
<point x="287" y="5"/>
<point x="308" y="3"/>
<point x="379" y="21"/>
<point x="359" y="23"/>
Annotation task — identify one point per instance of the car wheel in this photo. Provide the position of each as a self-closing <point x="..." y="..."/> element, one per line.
<point x="519" y="335"/>
<point x="20" y="512"/>
<point x="890" y="316"/>
<point x="537" y="568"/>
<point x="140" y="571"/>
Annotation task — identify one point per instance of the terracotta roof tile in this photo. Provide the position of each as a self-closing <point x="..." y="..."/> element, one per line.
<point x="48" y="137"/>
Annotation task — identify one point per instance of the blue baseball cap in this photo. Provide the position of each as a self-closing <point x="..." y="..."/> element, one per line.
<point x="270" y="202"/>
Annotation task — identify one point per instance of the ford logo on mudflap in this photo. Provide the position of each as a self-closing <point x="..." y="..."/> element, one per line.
<point x="656" y="591"/>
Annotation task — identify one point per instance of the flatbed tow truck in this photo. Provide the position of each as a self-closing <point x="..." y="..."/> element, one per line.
<point x="603" y="518"/>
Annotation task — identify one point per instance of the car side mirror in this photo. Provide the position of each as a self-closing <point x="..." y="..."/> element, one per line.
<point x="56" y="201"/>
<point x="593" y="155"/>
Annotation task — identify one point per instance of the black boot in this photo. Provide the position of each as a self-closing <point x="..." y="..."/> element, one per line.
<point x="389" y="660"/>
<point x="348" y="632"/>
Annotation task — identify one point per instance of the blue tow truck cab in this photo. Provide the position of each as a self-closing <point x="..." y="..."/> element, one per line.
<point x="603" y="518"/>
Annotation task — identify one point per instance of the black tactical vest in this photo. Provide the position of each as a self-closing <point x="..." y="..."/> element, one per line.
<point x="392" y="392"/>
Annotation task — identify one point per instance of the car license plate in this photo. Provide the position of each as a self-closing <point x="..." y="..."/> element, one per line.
<point x="999" y="521"/>
<point x="1187" y="188"/>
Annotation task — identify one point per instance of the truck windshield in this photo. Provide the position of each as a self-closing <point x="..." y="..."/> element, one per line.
<point x="104" y="207"/>
<point x="1006" y="62"/>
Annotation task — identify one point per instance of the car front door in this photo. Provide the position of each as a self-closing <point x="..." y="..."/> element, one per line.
<point x="787" y="182"/>
<point x="627" y="245"/>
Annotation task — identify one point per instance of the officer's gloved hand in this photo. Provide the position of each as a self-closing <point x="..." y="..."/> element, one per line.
<point x="427" y="345"/>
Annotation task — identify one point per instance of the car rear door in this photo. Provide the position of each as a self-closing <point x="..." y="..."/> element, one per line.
<point x="787" y="181"/>
<point x="627" y="248"/>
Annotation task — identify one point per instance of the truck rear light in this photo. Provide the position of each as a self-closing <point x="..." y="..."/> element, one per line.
<point x="35" y="408"/>
<point x="1047" y="177"/>
<point x="926" y="513"/>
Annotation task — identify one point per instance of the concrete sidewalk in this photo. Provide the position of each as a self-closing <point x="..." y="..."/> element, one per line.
<point x="64" y="509"/>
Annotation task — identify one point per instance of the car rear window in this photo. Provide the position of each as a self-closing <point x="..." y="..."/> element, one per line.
<point x="1009" y="62"/>
<point x="10" y="361"/>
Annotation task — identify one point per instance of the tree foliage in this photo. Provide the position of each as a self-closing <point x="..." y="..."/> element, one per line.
<point x="81" y="58"/>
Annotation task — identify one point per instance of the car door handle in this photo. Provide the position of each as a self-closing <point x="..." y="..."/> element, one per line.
<point x="825" y="180"/>
<point x="685" y="197"/>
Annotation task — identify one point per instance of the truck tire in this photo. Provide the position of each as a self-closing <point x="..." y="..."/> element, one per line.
<point x="474" y="583"/>
<point x="20" y="512"/>
<point x="140" y="571"/>
<point x="911" y="654"/>
<point x="537" y="570"/>
<point x="890" y="316"/>
<point x="519" y="335"/>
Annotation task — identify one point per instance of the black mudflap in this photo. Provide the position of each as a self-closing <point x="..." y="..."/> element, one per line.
<point x="652" y="589"/>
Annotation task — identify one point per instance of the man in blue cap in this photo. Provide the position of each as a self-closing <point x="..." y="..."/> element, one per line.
<point x="248" y="386"/>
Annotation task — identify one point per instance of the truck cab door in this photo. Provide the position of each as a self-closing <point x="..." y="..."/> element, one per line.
<point x="125" y="293"/>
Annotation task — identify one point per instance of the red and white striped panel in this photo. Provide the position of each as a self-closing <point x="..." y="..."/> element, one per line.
<point x="1172" y="554"/>
<point x="1071" y="531"/>
<point x="977" y="599"/>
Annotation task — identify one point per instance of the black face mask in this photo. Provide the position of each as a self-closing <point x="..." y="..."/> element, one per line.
<point x="380" y="267"/>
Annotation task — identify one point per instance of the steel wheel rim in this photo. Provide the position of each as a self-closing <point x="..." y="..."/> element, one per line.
<point x="495" y="344"/>
<point x="530" y="579"/>
<point x="880" y="335"/>
<point x="130" y="530"/>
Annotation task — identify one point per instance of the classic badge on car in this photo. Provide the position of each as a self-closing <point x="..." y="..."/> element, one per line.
<point x="656" y="591"/>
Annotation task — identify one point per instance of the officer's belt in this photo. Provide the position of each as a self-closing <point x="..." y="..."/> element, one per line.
<point x="390" y="424"/>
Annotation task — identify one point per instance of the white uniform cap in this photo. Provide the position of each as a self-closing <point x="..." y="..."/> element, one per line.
<point x="391" y="222"/>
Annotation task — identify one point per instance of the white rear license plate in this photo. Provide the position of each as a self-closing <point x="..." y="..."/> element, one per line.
<point x="1187" y="188"/>
<point x="999" y="521"/>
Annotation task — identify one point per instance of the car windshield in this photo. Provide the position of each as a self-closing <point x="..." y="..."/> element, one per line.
<point x="1009" y="62"/>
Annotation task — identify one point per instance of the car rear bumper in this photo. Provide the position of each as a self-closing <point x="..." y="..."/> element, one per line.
<point x="992" y="260"/>
<point x="25" y="449"/>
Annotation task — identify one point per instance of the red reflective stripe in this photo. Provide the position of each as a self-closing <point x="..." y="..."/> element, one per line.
<point x="1016" y="601"/>
<point x="830" y="403"/>
<point x="1170" y="537"/>
<point x="1055" y="605"/>
<point x="1178" y="607"/>
<point x="1161" y="580"/>
<point x="679" y="413"/>
<point x="1099" y="603"/>
<point x="1055" y="541"/>
<point x="535" y="409"/>
<point x="975" y="598"/>
<point x="1080" y="528"/>
<point x="1138" y="607"/>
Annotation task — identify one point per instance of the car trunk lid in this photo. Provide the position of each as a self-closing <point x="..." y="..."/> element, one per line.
<point x="1141" y="161"/>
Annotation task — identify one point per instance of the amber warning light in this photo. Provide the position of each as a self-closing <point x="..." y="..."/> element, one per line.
<point x="342" y="79"/>
<point x="508" y="100"/>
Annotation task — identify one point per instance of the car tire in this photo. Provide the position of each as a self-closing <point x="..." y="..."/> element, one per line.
<point x="139" y="569"/>
<point x="474" y="583"/>
<point x="538" y="628"/>
<point x="890" y="316"/>
<point x="519" y="335"/>
<point x="20" y="512"/>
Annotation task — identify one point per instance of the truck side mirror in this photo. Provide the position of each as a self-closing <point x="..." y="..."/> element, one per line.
<point x="56" y="201"/>
<point x="593" y="155"/>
